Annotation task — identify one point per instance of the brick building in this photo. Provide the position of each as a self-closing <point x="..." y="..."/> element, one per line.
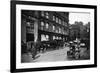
<point x="44" y="25"/>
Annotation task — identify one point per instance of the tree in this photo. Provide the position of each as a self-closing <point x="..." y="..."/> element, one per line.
<point x="78" y="30"/>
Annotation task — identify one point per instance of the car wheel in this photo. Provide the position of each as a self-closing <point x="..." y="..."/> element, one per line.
<point x="77" y="55"/>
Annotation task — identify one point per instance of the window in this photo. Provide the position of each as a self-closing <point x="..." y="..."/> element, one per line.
<point x="53" y="27"/>
<point x="59" y="38"/>
<point x="42" y="13"/>
<point x="63" y="38"/>
<point x="53" y="18"/>
<point x="47" y="15"/>
<point x="63" y="31"/>
<point x="56" y="31"/>
<point x="28" y="24"/>
<point x="56" y="19"/>
<point x="47" y="25"/>
<point x="47" y="37"/>
<point x="59" y="30"/>
<point x="42" y="25"/>
<point x="43" y="38"/>
<point x="59" y="21"/>
<point x="54" y="37"/>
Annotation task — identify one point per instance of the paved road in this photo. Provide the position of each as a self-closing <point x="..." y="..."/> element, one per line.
<point x="56" y="55"/>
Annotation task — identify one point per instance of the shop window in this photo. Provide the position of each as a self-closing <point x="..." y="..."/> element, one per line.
<point x="43" y="38"/>
<point x="47" y="38"/>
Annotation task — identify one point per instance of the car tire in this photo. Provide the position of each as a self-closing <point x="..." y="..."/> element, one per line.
<point x="77" y="55"/>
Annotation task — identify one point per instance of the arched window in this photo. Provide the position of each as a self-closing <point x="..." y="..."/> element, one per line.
<point x="42" y="25"/>
<point x="53" y="27"/>
<point x="56" y="19"/>
<point x="59" y="30"/>
<point x="47" y="25"/>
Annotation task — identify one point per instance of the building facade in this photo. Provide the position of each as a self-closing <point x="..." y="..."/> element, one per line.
<point x="40" y="26"/>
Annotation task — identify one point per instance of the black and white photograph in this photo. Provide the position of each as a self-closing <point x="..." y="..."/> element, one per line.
<point x="54" y="36"/>
<point x="51" y="36"/>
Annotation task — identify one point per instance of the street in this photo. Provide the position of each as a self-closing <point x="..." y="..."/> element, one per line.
<point x="56" y="55"/>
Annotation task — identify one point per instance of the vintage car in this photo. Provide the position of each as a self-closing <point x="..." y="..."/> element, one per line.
<point x="75" y="50"/>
